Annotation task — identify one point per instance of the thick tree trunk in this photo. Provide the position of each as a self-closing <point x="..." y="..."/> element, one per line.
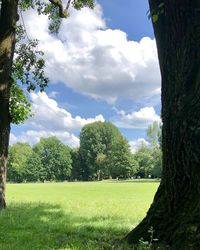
<point x="174" y="214"/>
<point x="8" y="19"/>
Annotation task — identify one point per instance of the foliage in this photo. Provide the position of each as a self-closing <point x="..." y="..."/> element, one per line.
<point x="18" y="156"/>
<point x="77" y="172"/>
<point x="120" y="160"/>
<point x="144" y="158"/>
<point x="34" y="171"/>
<point x="20" y="107"/>
<point x="27" y="74"/>
<point x="78" y="4"/>
<point x="55" y="158"/>
<point x="28" y="65"/>
<point x="149" y="162"/>
<point x="54" y="9"/>
<point x="157" y="162"/>
<point x="49" y="160"/>
<point x="104" y="153"/>
<point x="154" y="134"/>
<point x="100" y="162"/>
<point x="104" y="150"/>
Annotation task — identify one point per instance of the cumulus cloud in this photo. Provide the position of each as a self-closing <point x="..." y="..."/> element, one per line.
<point x="33" y="136"/>
<point x="94" y="60"/>
<point x="135" y="144"/>
<point x="51" y="120"/>
<point x="48" y="115"/>
<point x="138" y="119"/>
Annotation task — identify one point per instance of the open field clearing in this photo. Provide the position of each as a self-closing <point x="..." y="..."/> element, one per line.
<point x="78" y="215"/>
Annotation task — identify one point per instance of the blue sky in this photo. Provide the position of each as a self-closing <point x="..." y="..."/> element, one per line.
<point x="102" y="65"/>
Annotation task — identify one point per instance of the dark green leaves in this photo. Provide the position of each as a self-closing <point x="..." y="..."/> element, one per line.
<point x="78" y="4"/>
<point x="27" y="74"/>
<point x="28" y="66"/>
<point x="55" y="10"/>
<point x="104" y="151"/>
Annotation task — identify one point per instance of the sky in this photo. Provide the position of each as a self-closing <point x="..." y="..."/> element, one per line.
<point x="102" y="66"/>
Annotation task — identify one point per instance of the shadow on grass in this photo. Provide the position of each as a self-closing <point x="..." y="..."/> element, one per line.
<point x="46" y="226"/>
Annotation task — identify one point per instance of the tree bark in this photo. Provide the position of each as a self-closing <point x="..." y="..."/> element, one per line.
<point x="8" y="19"/>
<point x="174" y="215"/>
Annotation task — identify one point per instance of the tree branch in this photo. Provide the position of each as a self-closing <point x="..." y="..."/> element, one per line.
<point x="62" y="11"/>
<point x="68" y="4"/>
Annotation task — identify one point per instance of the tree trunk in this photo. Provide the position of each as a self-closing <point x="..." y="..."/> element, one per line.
<point x="174" y="215"/>
<point x="8" y="19"/>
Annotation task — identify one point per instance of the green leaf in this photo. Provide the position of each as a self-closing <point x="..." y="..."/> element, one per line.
<point x="155" y="18"/>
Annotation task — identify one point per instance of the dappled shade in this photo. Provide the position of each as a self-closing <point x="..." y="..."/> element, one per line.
<point x="47" y="226"/>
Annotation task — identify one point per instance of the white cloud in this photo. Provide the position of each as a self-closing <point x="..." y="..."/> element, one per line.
<point x="48" y="115"/>
<point x="51" y="120"/>
<point x="53" y="94"/>
<point x="138" y="119"/>
<point x="33" y="136"/>
<point x="94" y="60"/>
<point x="135" y="144"/>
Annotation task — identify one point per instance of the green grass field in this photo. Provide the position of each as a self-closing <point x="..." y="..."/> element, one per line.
<point x="77" y="215"/>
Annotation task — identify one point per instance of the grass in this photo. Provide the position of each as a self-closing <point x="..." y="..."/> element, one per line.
<point x="77" y="215"/>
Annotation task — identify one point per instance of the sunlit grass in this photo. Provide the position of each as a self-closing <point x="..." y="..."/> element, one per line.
<point x="79" y="215"/>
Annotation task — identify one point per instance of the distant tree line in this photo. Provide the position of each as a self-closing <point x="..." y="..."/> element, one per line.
<point x="103" y="153"/>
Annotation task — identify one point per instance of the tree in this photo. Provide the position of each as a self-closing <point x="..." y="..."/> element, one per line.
<point x="149" y="162"/>
<point x="175" y="212"/>
<point x="19" y="153"/>
<point x="157" y="163"/>
<point x="55" y="158"/>
<point x="154" y="134"/>
<point x="95" y="139"/>
<point x="77" y="172"/>
<point x="34" y="170"/>
<point x="145" y="160"/>
<point x="28" y="69"/>
<point x="120" y="159"/>
<point x="100" y="162"/>
<point x="104" y="151"/>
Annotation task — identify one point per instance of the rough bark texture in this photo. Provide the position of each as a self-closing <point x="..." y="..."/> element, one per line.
<point x="8" y="19"/>
<point x="175" y="212"/>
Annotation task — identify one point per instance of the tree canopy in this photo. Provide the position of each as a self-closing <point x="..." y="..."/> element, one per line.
<point x="48" y="160"/>
<point x="104" y="151"/>
<point x="107" y="152"/>
<point x="55" y="157"/>
<point x="19" y="153"/>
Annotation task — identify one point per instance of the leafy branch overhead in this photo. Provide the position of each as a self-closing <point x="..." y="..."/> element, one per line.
<point x="55" y="9"/>
<point x="27" y="75"/>
<point x="28" y="65"/>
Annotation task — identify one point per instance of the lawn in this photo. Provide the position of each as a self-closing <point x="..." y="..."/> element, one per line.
<point x="78" y="215"/>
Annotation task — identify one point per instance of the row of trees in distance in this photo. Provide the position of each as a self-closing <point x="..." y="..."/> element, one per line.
<point x="103" y="153"/>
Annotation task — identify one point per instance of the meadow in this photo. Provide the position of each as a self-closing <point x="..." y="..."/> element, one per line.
<point x="78" y="215"/>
